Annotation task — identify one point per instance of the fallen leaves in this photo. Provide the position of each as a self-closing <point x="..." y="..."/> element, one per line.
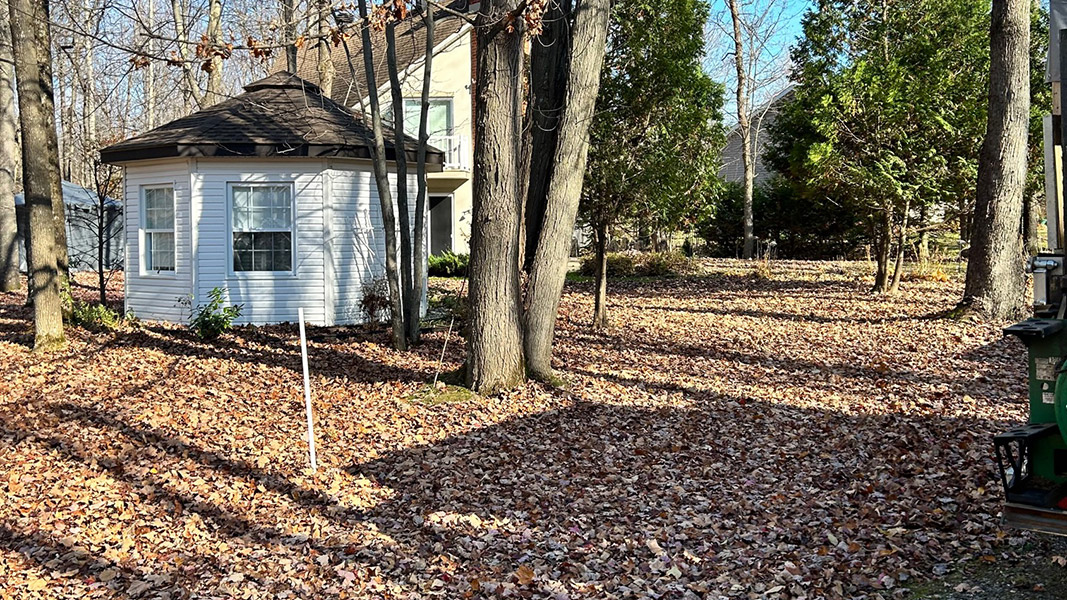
<point x="729" y="437"/>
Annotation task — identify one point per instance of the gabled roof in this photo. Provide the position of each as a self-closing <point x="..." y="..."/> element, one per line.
<point x="410" y="49"/>
<point x="281" y="115"/>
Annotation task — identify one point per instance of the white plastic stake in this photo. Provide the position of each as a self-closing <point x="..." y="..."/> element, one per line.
<point x="307" y="391"/>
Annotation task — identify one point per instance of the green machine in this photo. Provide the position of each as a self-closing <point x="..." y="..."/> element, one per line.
<point x="1032" y="458"/>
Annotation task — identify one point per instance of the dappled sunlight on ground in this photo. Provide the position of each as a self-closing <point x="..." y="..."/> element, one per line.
<point x="782" y="433"/>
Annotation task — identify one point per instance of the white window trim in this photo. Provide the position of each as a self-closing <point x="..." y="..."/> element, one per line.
<point x="290" y="274"/>
<point x="418" y="100"/>
<point x="143" y="231"/>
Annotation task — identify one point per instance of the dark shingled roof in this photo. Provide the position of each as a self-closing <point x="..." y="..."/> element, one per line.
<point x="281" y="115"/>
<point x="410" y="48"/>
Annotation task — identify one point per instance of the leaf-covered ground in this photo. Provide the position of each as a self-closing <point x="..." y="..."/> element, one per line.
<point x="731" y="437"/>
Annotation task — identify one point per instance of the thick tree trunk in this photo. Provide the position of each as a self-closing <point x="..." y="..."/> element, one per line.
<point x="424" y="140"/>
<point x="494" y="346"/>
<point x="33" y="71"/>
<point x="9" y="251"/>
<point x="995" y="280"/>
<point x="600" y="309"/>
<point x="385" y="195"/>
<point x="549" y="64"/>
<point x="325" y="61"/>
<point x="744" y="128"/>
<point x="549" y="269"/>
<point x="411" y="299"/>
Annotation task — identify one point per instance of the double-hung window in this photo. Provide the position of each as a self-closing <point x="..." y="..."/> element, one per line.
<point x="261" y="217"/>
<point x="158" y="228"/>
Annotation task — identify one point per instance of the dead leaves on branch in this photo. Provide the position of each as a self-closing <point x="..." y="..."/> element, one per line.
<point x="785" y="437"/>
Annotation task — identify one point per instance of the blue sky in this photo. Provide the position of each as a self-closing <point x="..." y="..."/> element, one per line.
<point x="773" y="69"/>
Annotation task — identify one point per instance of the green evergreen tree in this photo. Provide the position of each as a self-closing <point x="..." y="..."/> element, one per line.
<point x="655" y="139"/>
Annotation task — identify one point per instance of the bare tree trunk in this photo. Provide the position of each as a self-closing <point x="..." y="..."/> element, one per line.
<point x="325" y="60"/>
<point x="214" y="37"/>
<point x="411" y="301"/>
<point x="549" y="62"/>
<point x="902" y="245"/>
<point x="9" y="251"/>
<point x="191" y="89"/>
<point x="600" y="310"/>
<point x="289" y="30"/>
<point x="883" y="245"/>
<point x="924" y="235"/>
<point x="995" y="278"/>
<point x="150" y="70"/>
<point x="549" y="269"/>
<point x="424" y="140"/>
<point x="385" y="196"/>
<point x="101" y="235"/>
<point x="33" y="71"/>
<point x="1031" y="222"/>
<point x="494" y="346"/>
<point x="744" y="129"/>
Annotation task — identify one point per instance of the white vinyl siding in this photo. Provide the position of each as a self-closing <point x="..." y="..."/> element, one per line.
<point x="156" y="295"/>
<point x="338" y="244"/>
<point x="158" y="228"/>
<point x="357" y="236"/>
<point x="267" y="296"/>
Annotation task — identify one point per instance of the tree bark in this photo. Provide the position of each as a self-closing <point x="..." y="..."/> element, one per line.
<point x="902" y="245"/>
<point x="9" y="251"/>
<point x="420" y="168"/>
<point x="995" y="281"/>
<point x="33" y="70"/>
<point x="883" y="246"/>
<point x="411" y="301"/>
<point x="385" y="195"/>
<point x="494" y="346"/>
<point x="745" y="130"/>
<point x="191" y="90"/>
<point x="1032" y="222"/>
<point x="600" y="310"/>
<point x="289" y="30"/>
<point x="549" y="63"/>
<point x="149" y="73"/>
<point x="325" y="59"/>
<point x="214" y="37"/>
<point x="549" y="268"/>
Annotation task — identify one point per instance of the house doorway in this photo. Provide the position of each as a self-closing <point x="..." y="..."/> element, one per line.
<point x="440" y="224"/>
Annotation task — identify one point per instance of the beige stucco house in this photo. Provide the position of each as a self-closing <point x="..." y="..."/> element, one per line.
<point x="451" y="107"/>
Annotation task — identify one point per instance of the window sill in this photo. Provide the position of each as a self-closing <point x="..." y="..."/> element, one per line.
<point x="262" y="275"/>
<point x="159" y="274"/>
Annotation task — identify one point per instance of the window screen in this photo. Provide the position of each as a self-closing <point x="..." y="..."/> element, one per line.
<point x="158" y="227"/>
<point x="262" y="216"/>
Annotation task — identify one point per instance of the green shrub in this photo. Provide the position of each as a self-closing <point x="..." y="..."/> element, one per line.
<point x="213" y="319"/>
<point x="93" y="316"/>
<point x="449" y="265"/>
<point x="641" y="264"/>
